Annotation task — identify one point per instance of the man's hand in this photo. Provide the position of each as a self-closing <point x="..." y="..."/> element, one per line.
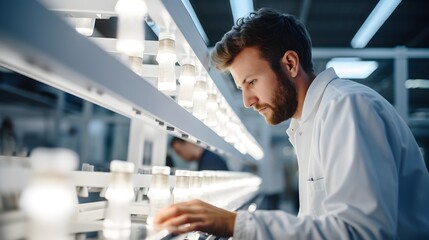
<point x="196" y="215"/>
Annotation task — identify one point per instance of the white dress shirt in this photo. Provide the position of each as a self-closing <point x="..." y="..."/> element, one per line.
<point x="361" y="174"/>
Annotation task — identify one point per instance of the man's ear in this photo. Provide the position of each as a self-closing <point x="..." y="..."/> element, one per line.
<point x="290" y="62"/>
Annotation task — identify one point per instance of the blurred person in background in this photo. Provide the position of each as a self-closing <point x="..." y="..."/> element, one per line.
<point x="8" y="139"/>
<point x="205" y="159"/>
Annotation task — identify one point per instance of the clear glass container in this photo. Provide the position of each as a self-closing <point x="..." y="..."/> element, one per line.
<point x="195" y="184"/>
<point x="181" y="191"/>
<point x="212" y="108"/>
<point x="200" y="99"/>
<point x="50" y="199"/>
<point x="159" y="192"/>
<point x="223" y="118"/>
<point x="166" y="59"/>
<point x="136" y="64"/>
<point x="187" y="81"/>
<point x="117" y="221"/>
<point x="130" y="27"/>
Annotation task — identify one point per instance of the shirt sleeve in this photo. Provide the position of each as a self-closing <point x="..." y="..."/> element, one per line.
<point x="360" y="181"/>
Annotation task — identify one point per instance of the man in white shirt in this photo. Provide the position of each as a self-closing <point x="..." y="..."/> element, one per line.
<point x="361" y="175"/>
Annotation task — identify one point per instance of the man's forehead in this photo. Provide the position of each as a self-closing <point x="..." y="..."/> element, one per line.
<point x="234" y="78"/>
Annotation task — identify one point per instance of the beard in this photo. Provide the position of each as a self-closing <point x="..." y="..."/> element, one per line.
<point x="284" y="100"/>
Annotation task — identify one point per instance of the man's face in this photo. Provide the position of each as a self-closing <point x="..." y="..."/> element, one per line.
<point x="272" y="94"/>
<point x="183" y="150"/>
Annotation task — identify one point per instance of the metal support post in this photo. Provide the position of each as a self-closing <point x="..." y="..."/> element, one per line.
<point x="400" y="76"/>
<point x="136" y="142"/>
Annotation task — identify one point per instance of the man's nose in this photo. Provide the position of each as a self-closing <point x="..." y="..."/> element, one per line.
<point x="249" y="99"/>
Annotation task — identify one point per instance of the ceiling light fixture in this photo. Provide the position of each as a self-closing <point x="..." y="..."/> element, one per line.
<point x="376" y="18"/>
<point x="417" y="83"/>
<point x="240" y="8"/>
<point x="352" y="67"/>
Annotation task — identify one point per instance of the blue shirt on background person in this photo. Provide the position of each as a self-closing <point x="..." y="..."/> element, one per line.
<point x="211" y="161"/>
<point x="205" y="159"/>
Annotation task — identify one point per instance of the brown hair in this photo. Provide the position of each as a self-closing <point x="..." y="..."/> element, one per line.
<point x="176" y="140"/>
<point x="272" y="32"/>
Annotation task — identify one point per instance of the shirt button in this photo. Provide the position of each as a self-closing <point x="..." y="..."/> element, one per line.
<point x="300" y="133"/>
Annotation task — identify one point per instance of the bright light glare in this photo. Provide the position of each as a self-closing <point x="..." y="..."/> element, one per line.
<point x="200" y="99"/>
<point x="48" y="201"/>
<point x="233" y="128"/>
<point x="212" y="108"/>
<point x="187" y="82"/>
<point x="256" y="152"/>
<point x="417" y="83"/>
<point x="352" y="67"/>
<point x="130" y="27"/>
<point x="374" y="21"/>
<point x="166" y="59"/>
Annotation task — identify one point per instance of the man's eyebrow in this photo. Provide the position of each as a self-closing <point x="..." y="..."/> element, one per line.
<point x="244" y="81"/>
<point x="247" y="77"/>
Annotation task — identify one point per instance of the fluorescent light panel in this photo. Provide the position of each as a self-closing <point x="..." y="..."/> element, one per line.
<point x="352" y="67"/>
<point x="417" y="83"/>
<point x="240" y="8"/>
<point x="378" y="16"/>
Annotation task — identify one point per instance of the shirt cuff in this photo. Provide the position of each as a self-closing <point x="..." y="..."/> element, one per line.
<point x="243" y="225"/>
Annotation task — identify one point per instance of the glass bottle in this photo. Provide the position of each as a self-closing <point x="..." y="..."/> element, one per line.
<point x="117" y="221"/>
<point x="159" y="192"/>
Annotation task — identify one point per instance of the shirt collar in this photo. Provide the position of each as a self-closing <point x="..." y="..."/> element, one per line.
<point x="314" y="93"/>
<point x="294" y="124"/>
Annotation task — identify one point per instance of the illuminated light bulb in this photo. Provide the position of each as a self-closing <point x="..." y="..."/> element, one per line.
<point x="181" y="188"/>
<point x="212" y="108"/>
<point x="222" y="117"/>
<point x="136" y="64"/>
<point x="130" y="27"/>
<point x="255" y="151"/>
<point x="117" y="221"/>
<point x="84" y="26"/>
<point x="241" y="148"/>
<point x="208" y="185"/>
<point x="159" y="192"/>
<point x="166" y="59"/>
<point x="187" y="82"/>
<point x="200" y="99"/>
<point x="241" y="144"/>
<point x="195" y="184"/>
<point x="50" y="200"/>
<point x="231" y="137"/>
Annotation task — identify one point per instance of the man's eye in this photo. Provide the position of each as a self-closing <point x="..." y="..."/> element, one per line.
<point x="251" y="83"/>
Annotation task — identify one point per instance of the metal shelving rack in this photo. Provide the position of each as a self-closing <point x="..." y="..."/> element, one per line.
<point x="38" y="43"/>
